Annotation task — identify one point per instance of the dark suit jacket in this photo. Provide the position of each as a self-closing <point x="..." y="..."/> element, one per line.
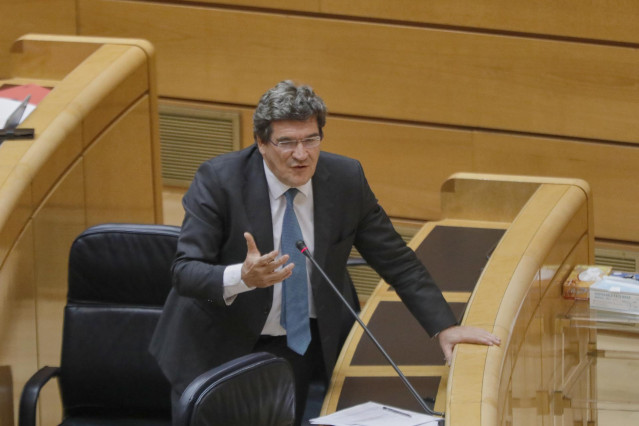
<point x="229" y="196"/>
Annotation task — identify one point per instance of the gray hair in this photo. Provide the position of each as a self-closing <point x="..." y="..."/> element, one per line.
<point x="287" y="101"/>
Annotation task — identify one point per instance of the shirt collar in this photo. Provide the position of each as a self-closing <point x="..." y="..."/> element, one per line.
<point x="276" y="188"/>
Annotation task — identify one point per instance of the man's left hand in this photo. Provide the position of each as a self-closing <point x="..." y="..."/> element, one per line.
<point x="449" y="337"/>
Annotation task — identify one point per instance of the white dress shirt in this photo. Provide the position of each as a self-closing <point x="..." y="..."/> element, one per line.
<point x="303" y="204"/>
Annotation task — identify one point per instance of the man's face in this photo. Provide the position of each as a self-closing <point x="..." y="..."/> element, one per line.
<point x="294" y="167"/>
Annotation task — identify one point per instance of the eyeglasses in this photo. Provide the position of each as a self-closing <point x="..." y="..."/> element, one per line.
<point x="291" y="144"/>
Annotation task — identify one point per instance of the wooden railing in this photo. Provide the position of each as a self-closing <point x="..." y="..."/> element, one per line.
<point x="515" y="239"/>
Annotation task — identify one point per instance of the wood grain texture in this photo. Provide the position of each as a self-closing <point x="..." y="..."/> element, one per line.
<point x="27" y="16"/>
<point x="610" y="20"/>
<point x="91" y="161"/>
<point x="458" y="78"/>
<point x="420" y="90"/>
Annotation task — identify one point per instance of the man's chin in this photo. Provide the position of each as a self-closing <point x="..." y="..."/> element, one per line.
<point x="298" y="180"/>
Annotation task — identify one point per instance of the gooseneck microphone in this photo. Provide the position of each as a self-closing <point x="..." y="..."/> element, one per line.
<point x="301" y="246"/>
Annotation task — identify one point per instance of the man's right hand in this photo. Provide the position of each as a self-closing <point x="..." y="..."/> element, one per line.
<point x="261" y="270"/>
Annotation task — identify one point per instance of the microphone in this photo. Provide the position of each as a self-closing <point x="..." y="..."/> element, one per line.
<point x="301" y="246"/>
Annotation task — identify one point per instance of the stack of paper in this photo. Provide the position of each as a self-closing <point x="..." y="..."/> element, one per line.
<point x="374" y="414"/>
<point x="616" y="294"/>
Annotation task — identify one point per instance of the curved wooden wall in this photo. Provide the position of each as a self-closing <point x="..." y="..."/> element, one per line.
<point x="95" y="159"/>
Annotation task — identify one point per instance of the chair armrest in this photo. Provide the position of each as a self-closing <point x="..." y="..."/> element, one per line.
<point x="30" y="393"/>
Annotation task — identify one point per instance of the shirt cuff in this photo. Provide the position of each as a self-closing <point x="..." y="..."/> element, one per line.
<point x="233" y="284"/>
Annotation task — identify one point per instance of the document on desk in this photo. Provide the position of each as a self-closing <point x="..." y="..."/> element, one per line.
<point x="374" y="414"/>
<point x="8" y="106"/>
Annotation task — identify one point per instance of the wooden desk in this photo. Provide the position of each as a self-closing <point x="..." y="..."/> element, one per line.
<point x="94" y="159"/>
<point x="500" y="255"/>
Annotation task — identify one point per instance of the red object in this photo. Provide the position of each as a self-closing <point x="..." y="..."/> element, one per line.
<point x="18" y="93"/>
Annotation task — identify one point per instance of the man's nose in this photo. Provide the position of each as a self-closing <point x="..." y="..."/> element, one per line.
<point x="300" y="152"/>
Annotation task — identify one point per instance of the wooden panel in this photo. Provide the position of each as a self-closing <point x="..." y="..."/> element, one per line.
<point x="386" y="71"/>
<point x="126" y="192"/>
<point x="15" y="209"/>
<point x="499" y="198"/>
<point x="50" y="163"/>
<point x="26" y="16"/>
<point x="128" y="82"/>
<point x="37" y="58"/>
<point x="18" y="335"/>
<point x="609" y="169"/>
<point x="404" y="164"/>
<point x="603" y="19"/>
<point x="292" y="5"/>
<point x="406" y="99"/>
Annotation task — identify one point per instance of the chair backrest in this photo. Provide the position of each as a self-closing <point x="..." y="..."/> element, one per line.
<point x="119" y="277"/>
<point x="255" y="389"/>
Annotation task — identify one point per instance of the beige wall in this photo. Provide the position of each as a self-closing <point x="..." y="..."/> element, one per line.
<point x="417" y="90"/>
<point x="26" y="16"/>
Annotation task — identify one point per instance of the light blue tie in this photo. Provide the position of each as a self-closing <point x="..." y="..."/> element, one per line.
<point x="294" y="315"/>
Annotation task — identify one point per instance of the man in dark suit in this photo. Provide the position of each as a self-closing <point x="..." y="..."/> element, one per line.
<point x="232" y="273"/>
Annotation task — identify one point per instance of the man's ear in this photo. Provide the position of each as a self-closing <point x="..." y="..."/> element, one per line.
<point x="260" y="145"/>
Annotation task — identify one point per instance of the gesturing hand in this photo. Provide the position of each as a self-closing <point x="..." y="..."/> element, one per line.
<point x="261" y="270"/>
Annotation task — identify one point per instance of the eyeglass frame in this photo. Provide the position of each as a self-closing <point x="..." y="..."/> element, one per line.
<point x="316" y="140"/>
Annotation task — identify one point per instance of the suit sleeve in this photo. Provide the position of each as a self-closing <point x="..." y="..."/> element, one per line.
<point x="384" y="249"/>
<point x="196" y="272"/>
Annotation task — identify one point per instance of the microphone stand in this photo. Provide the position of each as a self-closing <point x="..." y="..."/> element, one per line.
<point x="301" y="246"/>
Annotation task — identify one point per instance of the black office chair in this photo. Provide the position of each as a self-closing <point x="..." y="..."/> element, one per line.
<point x="256" y="389"/>
<point x="119" y="277"/>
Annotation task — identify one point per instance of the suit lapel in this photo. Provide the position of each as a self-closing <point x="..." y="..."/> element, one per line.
<point x="257" y="203"/>
<point x="323" y="206"/>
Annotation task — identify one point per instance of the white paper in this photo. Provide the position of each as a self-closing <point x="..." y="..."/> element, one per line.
<point x="7" y="106"/>
<point x="374" y="414"/>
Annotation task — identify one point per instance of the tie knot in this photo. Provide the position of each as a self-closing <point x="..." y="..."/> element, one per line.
<point x="290" y="195"/>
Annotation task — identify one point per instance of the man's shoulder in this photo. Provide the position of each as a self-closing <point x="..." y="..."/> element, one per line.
<point x="233" y="160"/>
<point x="240" y="155"/>
<point x="340" y="166"/>
<point x="331" y="159"/>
